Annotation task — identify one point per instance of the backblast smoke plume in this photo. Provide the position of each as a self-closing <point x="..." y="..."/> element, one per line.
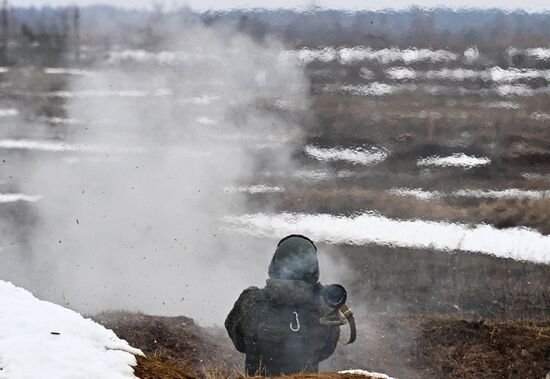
<point x="133" y="195"/>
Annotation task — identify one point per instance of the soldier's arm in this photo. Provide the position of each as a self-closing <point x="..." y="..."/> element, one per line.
<point x="332" y="335"/>
<point x="238" y="320"/>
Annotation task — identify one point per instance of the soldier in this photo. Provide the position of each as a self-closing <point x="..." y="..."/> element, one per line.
<point x="283" y="328"/>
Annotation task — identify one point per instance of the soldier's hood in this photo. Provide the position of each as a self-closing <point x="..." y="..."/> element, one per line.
<point x="290" y="292"/>
<point x="295" y="259"/>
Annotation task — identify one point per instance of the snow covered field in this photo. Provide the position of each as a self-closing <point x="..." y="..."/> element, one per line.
<point x="39" y="339"/>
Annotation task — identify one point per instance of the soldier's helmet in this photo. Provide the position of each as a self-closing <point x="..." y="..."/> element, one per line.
<point x="295" y="259"/>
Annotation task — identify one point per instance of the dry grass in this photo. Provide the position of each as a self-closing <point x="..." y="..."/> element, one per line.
<point x="505" y="213"/>
<point x="502" y="213"/>
<point x="478" y="349"/>
<point x="149" y="367"/>
<point x="351" y="200"/>
<point x="416" y="347"/>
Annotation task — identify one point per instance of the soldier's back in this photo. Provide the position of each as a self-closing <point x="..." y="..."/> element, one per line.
<point x="284" y="334"/>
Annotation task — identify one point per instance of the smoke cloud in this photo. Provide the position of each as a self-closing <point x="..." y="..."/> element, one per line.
<point x="133" y="194"/>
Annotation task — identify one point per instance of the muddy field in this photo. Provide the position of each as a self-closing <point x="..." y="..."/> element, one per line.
<point x="358" y="154"/>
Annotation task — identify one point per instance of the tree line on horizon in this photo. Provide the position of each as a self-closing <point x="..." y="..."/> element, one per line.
<point x="50" y="35"/>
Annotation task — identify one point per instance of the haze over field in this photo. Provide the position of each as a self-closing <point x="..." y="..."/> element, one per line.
<point x="137" y="198"/>
<point x="190" y="143"/>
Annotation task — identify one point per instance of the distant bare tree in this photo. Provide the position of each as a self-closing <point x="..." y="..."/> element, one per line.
<point x="76" y="33"/>
<point x="4" y="24"/>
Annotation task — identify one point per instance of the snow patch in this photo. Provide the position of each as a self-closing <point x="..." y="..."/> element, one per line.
<point x="514" y="90"/>
<point x="374" y="89"/>
<point x="521" y="244"/>
<point x="255" y="189"/>
<point x="494" y="74"/>
<point x="62" y="121"/>
<point x="498" y="74"/>
<point x="458" y="74"/>
<point x="206" y="120"/>
<point x="39" y="339"/>
<point x="168" y="58"/>
<point x="401" y="73"/>
<point x="539" y="53"/>
<point x="499" y="105"/>
<point x="55" y="146"/>
<point x="66" y="71"/>
<point x="311" y="175"/>
<point x="511" y="193"/>
<point x="382" y="89"/>
<point x="375" y="375"/>
<point x="8" y="112"/>
<point x="305" y="56"/>
<point x="199" y="100"/>
<point x="455" y="160"/>
<point x="110" y="93"/>
<point x="360" y="155"/>
<point x="540" y="116"/>
<point x="350" y="55"/>
<point x="13" y="197"/>
<point x="418" y="193"/>
<point x="471" y="54"/>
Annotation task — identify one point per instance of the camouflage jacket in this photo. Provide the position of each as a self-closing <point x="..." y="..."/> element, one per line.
<point x="278" y="328"/>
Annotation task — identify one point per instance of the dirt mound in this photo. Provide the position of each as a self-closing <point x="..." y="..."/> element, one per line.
<point x="478" y="349"/>
<point x="445" y="347"/>
<point x="177" y="344"/>
<point x="400" y="346"/>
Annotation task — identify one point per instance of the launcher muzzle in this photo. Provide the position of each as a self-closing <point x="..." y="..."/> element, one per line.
<point x="335" y="296"/>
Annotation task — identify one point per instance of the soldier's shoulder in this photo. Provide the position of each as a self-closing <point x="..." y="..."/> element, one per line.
<point x="250" y="292"/>
<point x="247" y="302"/>
<point x="251" y="289"/>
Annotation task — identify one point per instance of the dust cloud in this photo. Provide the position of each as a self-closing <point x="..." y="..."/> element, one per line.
<point x="131" y="206"/>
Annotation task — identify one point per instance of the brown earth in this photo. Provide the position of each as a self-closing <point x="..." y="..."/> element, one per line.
<point x="400" y="346"/>
<point x="149" y="367"/>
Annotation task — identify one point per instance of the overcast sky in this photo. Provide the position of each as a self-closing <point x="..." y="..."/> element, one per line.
<point x="528" y="5"/>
